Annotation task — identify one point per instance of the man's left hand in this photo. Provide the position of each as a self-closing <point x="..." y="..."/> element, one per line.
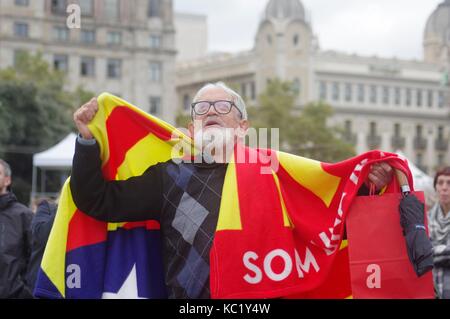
<point x="380" y="175"/>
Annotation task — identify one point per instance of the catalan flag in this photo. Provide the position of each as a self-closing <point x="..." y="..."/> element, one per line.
<point x="279" y="233"/>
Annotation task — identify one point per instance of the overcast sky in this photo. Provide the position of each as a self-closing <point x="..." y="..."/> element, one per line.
<point x="385" y="28"/>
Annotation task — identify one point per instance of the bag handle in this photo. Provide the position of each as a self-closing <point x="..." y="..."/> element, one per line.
<point x="403" y="182"/>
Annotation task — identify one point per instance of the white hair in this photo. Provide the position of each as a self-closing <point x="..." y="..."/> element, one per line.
<point x="237" y="99"/>
<point x="6" y="167"/>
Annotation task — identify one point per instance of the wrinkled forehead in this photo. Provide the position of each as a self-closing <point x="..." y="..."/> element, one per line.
<point x="443" y="178"/>
<point x="214" y="94"/>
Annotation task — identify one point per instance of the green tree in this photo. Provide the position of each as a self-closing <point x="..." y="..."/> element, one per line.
<point x="182" y="120"/>
<point x="303" y="132"/>
<point x="311" y="137"/>
<point x="35" y="113"/>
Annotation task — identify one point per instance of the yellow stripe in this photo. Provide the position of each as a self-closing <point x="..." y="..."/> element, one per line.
<point x="344" y="244"/>
<point x="115" y="226"/>
<point x="107" y="103"/>
<point x="310" y="174"/>
<point x="54" y="258"/>
<point x="147" y="152"/>
<point x="287" y="221"/>
<point x="229" y="213"/>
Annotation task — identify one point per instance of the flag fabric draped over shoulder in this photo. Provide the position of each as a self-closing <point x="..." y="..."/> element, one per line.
<point x="279" y="234"/>
<point x="85" y="258"/>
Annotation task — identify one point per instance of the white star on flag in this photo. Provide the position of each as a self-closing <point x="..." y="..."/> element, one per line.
<point x="129" y="289"/>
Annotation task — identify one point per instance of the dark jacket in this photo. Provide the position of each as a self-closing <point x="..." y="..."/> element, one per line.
<point x="40" y="229"/>
<point x="15" y="244"/>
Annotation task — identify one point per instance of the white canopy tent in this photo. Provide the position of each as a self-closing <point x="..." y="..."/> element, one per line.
<point x="56" y="158"/>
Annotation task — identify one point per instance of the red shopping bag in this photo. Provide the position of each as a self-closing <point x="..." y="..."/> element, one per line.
<point x="379" y="264"/>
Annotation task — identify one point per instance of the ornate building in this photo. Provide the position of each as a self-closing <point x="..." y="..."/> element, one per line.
<point x="126" y="47"/>
<point x="387" y="104"/>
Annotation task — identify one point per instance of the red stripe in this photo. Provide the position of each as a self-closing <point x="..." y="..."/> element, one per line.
<point x="125" y="128"/>
<point x="84" y="231"/>
<point x="149" y="225"/>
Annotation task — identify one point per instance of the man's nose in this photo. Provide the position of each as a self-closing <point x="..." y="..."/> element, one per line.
<point x="212" y="111"/>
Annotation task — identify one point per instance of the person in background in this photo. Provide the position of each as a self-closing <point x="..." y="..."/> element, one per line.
<point x="40" y="230"/>
<point x="15" y="240"/>
<point x="439" y="227"/>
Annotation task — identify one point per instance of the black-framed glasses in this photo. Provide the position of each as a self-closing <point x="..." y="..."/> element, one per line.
<point x="221" y="107"/>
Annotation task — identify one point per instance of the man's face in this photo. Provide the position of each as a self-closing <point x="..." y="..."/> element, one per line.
<point x="212" y="119"/>
<point x="443" y="189"/>
<point x="5" y="181"/>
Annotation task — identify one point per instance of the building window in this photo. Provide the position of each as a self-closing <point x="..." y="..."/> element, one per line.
<point x="385" y="95"/>
<point x="59" y="6"/>
<point x="244" y="90"/>
<point x="408" y="97"/>
<point x="295" y="40"/>
<point x="322" y="90"/>
<point x="87" y="36"/>
<point x="155" y="41"/>
<point x="154" y="8"/>
<point x="269" y="39"/>
<point x="441" y="159"/>
<point x="114" y="38"/>
<point x="87" y="66"/>
<point x="60" y="34"/>
<point x="186" y="102"/>
<point x="348" y="92"/>
<point x="155" y="71"/>
<point x="336" y="92"/>
<point x="23" y="3"/>
<point x="296" y="87"/>
<point x="419" y="98"/>
<point x="112" y="10"/>
<point x="155" y="105"/>
<point x="419" y="130"/>
<point x="361" y="93"/>
<point x="252" y="90"/>
<point x="87" y="7"/>
<point x="373" y="94"/>
<point x="397" y="96"/>
<point x="114" y="67"/>
<point x="373" y="129"/>
<point x="430" y="98"/>
<point x="348" y="126"/>
<point x="397" y="130"/>
<point x="21" y="29"/>
<point x="441" y="100"/>
<point x="440" y="133"/>
<point x="61" y="62"/>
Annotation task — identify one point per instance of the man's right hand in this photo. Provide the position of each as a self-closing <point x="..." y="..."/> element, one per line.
<point x="83" y="116"/>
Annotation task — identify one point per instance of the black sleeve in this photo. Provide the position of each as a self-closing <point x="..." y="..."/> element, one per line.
<point x="42" y="222"/>
<point x="135" y="199"/>
<point x="26" y="290"/>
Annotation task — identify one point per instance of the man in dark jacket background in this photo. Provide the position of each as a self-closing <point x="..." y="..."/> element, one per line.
<point x="15" y="240"/>
<point x="40" y="228"/>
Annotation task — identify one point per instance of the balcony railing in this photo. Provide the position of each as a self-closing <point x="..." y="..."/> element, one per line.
<point x="420" y="143"/>
<point x="398" y="142"/>
<point x="350" y="138"/>
<point x="441" y="144"/>
<point x="373" y="141"/>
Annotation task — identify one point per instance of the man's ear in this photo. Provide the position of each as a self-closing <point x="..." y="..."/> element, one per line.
<point x="8" y="181"/>
<point x="191" y="129"/>
<point x="244" y="125"/>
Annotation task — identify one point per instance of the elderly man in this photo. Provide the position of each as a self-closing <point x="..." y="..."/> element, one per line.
<point x="194" y="188"/>
<point x="15" y="240"/>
